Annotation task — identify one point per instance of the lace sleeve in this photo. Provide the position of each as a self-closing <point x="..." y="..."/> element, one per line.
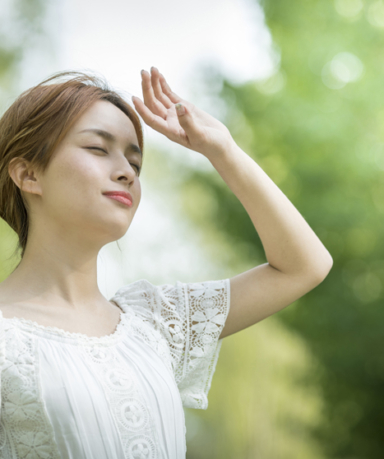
<point x="187" y="319"/>
<point x="193" y="316"/>
<point x="2" y="363"/>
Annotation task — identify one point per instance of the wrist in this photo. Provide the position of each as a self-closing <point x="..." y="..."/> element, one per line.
<point x="221" y="149"/>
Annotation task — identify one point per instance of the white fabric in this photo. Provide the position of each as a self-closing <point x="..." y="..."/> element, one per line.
<point x="67" y="395"/>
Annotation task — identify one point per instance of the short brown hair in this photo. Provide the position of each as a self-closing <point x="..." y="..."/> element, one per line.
<point x="35" y="124"/>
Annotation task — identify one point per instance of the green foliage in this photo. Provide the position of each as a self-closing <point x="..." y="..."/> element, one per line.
<point x="21" y="23"/>
<point x="261" y="402"/>
<point x="315" y="127"/>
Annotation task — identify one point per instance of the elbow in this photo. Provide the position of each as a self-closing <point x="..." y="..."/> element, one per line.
<point x="328" y="263"/>
<point x="323" y="268"/>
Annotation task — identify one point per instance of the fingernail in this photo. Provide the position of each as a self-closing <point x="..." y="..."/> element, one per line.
<point x="180" y="109"/>
<point x="153" y="68"/>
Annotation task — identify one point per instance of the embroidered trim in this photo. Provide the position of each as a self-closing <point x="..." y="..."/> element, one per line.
<point x="181" y="322"/>
<point x="130" y="410"/>
<point x="78" y="338"/>
<point x="142" y="323"/>
<point x="189" y="318"/>
<point x="29" y="432"/>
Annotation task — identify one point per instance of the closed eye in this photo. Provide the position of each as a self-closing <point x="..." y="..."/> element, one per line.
<point x="101" y="149"/>
<point x="95" y="148"/>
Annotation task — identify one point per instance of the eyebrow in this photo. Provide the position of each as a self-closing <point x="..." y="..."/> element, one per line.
<point x="108" y="136"/>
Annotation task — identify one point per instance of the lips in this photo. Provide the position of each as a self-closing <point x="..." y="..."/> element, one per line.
<point x="121" y="196"/>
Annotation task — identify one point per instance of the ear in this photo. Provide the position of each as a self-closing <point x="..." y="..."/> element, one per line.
<point x="24" y="176"/>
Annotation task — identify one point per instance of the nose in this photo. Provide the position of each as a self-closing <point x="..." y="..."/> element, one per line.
<point x="126" y="170"/>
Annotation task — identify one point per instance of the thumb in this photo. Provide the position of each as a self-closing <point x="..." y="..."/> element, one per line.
<point x="185" y="119"/>
<point x="180" y="109"/>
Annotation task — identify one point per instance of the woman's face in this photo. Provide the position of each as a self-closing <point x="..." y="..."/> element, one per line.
<point x="71" y="197"/>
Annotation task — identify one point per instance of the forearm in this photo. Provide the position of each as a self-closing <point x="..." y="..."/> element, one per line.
<point x="289" y="243"/>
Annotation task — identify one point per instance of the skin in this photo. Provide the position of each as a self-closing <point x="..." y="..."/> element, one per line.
<point x="297" y="261"/>
<point x="71" y="220"/>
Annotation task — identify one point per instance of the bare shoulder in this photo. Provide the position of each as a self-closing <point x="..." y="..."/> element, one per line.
<point x="10" y="307"/>
<point x="7" y="303"/>
<point x="100" y="320"/>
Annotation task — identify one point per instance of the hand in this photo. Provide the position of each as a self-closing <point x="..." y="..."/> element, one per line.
<point x="195" y="129"/>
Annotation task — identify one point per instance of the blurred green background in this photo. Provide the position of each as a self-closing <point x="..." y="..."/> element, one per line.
<point x="308" y="382"/>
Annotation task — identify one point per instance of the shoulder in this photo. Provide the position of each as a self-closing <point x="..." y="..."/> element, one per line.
<point x="9" y="308"/>
<point x="138" y="285"/>
<point x="141" y="291"/>
<point x="145" y="289"/>
<point x="8" y="303"/>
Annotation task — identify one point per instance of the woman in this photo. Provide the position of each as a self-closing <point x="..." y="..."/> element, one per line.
<point x="84" y="377"/>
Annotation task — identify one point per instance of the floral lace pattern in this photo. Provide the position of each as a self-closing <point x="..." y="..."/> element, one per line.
<point x="29" y="434"/>
<point x="78" y="338"/>
<point x="141" y="324"/>
<point x="129" y="408"/>
<point x="28" y="428"/>
<point x="182" y="323"/>
<point x="189" y="317"/>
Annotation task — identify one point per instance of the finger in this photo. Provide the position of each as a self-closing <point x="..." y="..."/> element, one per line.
<point x="149" y="97"/>
<point x="168" y="91"/>
<point x="188" y="123"/>
<point x="157" y="88"/>
<point x="154" y="121"/>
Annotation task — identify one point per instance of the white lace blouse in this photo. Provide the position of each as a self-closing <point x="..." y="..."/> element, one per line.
<point x="67" y="395"/>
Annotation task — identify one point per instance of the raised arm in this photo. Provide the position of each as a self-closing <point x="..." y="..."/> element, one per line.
<point x="297" y="259"/>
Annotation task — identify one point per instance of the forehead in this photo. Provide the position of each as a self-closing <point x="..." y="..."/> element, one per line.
<point x="106" y="116"/>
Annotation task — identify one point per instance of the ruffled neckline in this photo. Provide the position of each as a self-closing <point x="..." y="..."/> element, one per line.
<point x="60" y="334"/>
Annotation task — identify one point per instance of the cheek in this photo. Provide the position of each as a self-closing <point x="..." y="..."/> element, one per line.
<point x="136" y="192"/>
<point x="76" y="177"/>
